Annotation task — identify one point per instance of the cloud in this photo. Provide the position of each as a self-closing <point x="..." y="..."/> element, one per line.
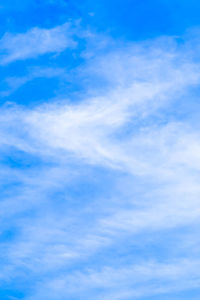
<point x="35" y="42"/>
<point x="135" y="144"/>
<point x="128" y="282"/>
<point x="145" y="86"/>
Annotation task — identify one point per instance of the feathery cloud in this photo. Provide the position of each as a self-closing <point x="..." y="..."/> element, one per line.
<point x="35" y="42"/>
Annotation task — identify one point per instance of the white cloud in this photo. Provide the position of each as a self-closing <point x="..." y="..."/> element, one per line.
<point x="128" y="282"/>
<point x="132" y="128"/>
<point x="145" y="85"/>
<point x="35" y="42"/>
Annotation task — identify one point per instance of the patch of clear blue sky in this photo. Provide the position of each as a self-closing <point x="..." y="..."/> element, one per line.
<point x="130" y="19"/>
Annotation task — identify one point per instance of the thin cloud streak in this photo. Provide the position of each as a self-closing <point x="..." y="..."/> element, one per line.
<point x="35" y="42"/>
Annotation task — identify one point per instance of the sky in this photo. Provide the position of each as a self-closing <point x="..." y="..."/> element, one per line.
<point x="100" y="150"/>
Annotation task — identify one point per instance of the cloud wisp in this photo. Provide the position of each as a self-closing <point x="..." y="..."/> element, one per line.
<point x="134" y="132"/>
<point x="35" y="42"/>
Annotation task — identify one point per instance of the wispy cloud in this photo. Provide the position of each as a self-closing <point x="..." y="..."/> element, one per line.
<point x="146" y="85"/>
<point x="130" y="282"/>
<point x="35" y="42"/>
<point x="136" y="131"/>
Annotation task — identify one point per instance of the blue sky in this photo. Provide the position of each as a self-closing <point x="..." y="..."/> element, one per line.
<point x="100" y="150"/>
